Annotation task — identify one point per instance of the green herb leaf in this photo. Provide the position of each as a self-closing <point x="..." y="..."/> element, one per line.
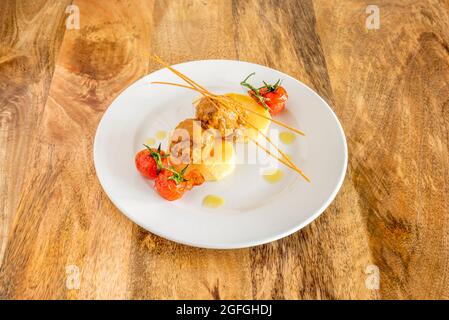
<point x="256" y="92"/>
<point x="177" y="176"/>
<point x="156" y="155"/>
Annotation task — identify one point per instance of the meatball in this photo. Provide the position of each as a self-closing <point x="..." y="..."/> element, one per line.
<point x="226" y="120"/>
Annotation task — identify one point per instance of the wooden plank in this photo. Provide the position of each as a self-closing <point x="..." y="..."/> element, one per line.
<point x="388" y="86"/>
<point x="392" y="93"/>
<point x="64" y="218"/>
<point x="30" y="36"/>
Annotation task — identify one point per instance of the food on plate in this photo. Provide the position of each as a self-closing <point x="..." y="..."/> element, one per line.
<point x="202" y="150"/>
<point x="213" y="201"/>
<point x="151" y="161"/>
<point x="271" y="96"/>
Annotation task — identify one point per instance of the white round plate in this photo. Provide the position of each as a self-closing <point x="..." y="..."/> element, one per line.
<point x="255" y="211"/>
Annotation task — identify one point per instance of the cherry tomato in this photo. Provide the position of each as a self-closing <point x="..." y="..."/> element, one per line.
<point x="150" y="161"/>
<point x="194" y="177"/>
<point x="172" y="185"/>
<point x="271" y="96"/>
<point x="169" y="188"/>
<point x="275" y="100"/>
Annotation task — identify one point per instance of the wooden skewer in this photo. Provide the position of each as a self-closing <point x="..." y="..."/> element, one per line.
<point x="179" y="74"/>
<point x="270" y="142"/>
<point x="291" y="164"/>
<point x="211" y="97"/>
<point x="194" y="84"/>
<point x="280" y="160"/>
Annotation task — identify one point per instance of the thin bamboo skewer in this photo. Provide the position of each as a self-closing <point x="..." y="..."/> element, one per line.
<point x="179" y="74"/>
<point x="181" y="85"/>
<point x="277" y="158"/>
<point x="195" y="85"/>
<point x="205" y="93"/>
<point x="288" y="162"/>
<point x="270" y="142"/>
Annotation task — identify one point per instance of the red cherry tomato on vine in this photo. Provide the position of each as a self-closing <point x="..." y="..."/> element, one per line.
<point x="150" y="161"/>
<point x="172" y="185"/>
<point x="274" y="100"/>
<point x="270" y="96"/>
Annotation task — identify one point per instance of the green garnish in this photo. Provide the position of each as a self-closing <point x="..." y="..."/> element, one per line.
<point x="157" y="156"/>
<point x="256" y="91"/>
<point x="178" y="177"/>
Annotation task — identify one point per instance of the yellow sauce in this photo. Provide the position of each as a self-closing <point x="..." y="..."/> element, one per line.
<point x="212" y="201"/>
<point x="287" y="137"/>
<point x="161" y="134"/>
<point x="252" y="119"/>
<point x="273" y="176"/>
<point x="150" y="142"/>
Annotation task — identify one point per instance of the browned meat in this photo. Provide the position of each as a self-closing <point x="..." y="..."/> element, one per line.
<point x="225" y="120"/>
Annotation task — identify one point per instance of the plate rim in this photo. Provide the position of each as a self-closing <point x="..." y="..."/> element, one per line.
<point x="246" y="244"/>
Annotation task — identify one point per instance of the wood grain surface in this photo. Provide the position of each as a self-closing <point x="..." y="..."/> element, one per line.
<point x="389" y="87"/>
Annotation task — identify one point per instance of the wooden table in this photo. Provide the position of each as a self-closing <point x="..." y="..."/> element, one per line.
<point x="61" y="238"/>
